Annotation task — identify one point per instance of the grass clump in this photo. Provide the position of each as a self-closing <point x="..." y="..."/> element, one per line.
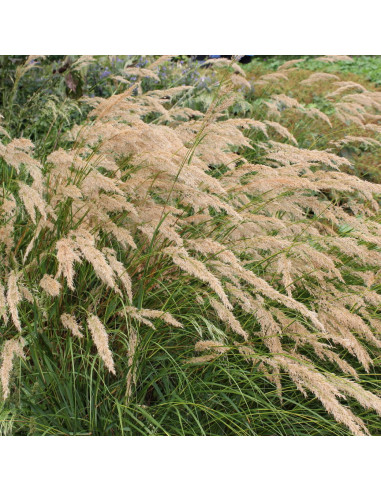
<point x="194" y="259"/>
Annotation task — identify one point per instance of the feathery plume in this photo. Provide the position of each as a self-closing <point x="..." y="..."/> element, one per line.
<point x="32" y="200"/>
<point x="67" y="256"/>
<point x="50" y="285"/>
<point x="100" y="338"/>
<point x="131" y="376"/>
<point x="70" y="323"/>
<point x="334" y="58"/>
<point x="11" y="348"/>
<point x="85" y="243"/>
<point x="13" y="298"/>
<point x="227" y="317"/>
<point x="3" y="304"/>
<point x="194" y="267"/>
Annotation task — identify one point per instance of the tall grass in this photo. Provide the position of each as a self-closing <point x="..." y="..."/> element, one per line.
<point x="196" y="259"/>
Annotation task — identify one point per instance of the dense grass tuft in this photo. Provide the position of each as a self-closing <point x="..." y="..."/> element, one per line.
<point x="189" y="248"/>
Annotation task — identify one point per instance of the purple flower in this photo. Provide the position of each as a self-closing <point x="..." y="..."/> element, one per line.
<point x="105" y="73"/>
